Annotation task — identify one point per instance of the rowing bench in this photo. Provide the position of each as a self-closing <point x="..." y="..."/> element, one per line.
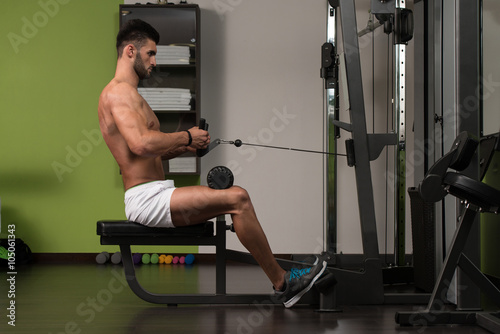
<point x="126" y="233"/>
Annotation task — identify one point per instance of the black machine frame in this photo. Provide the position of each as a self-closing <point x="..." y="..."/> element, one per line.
<point x="366" y="285"/>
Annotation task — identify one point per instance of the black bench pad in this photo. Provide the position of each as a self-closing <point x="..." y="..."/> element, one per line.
<point x="124" y="228"/>
<point x="473" y="191"/>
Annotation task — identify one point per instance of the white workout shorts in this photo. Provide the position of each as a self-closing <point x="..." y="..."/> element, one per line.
<point x="149" y="203"/>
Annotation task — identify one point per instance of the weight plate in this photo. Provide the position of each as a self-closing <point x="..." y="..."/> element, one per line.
<point x="220" y="177"/>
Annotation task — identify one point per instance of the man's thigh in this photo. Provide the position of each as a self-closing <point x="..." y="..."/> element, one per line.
<point x="196" y="204"/>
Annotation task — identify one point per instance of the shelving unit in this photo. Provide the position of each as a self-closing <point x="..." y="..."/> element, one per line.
<point x="173" y="90"/>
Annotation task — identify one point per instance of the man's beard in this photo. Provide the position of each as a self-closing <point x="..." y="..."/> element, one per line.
<point x="141" y="71"/>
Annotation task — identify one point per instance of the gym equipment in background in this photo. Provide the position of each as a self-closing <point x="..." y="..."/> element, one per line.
<point x="477" y="198"/>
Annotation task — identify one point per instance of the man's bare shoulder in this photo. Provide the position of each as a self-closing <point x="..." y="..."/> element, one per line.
<point x="119" y="101"/>
<point x="119" y="92"/>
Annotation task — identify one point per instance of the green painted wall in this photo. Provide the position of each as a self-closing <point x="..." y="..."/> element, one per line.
<point x="57" y="177"/>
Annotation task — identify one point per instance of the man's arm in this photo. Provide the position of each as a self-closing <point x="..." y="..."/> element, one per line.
<point x="127" y="109"/>
<point x="172" y="154"/>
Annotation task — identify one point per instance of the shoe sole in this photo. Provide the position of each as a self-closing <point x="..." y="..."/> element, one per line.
<point x="296" y="298"/>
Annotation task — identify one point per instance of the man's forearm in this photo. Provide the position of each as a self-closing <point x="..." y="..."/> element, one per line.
<point x="174" y="153"/>
<point x="156" y="143"/>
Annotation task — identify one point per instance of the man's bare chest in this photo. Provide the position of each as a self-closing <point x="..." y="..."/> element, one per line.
<point x="151" y="118"/>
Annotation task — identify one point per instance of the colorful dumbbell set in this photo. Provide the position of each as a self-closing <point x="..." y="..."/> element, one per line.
<point x="139" y="258"/>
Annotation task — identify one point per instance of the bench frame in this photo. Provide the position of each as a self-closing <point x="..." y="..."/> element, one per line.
<point x="125" y="241"/>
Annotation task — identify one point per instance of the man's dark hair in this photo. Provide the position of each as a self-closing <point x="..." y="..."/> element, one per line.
<point x="136" y="32"/>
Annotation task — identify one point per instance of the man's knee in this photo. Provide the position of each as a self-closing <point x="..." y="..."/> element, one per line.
<point x="240" y="197"/>
<point x="239" y="194"/>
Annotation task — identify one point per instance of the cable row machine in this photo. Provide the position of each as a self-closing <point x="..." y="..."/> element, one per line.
<point x="341" y="285"/>
<point x="439" y="181"/>
<point x="365" y="284"/>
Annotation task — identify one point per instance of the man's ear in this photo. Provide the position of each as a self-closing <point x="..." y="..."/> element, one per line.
<point x="130" y="50"/>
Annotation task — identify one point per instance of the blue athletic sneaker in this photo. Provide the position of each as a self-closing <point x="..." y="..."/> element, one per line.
<point x="298" y="282"/>
<point x="311" y="260"/>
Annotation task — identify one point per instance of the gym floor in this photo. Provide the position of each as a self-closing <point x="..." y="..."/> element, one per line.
<point x="91" y="298"/>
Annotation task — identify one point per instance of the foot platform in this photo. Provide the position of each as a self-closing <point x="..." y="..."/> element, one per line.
<point x="326" y="286"/>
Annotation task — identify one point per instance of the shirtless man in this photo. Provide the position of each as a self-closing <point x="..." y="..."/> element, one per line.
<point x="132" y="132"/>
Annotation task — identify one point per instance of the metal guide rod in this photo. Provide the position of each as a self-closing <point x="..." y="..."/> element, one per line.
<point x="332" y="132"/>
<point x="400" y="152"/>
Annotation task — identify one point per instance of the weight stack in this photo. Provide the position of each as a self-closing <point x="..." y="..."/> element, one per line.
<point x="424" y="241"/>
